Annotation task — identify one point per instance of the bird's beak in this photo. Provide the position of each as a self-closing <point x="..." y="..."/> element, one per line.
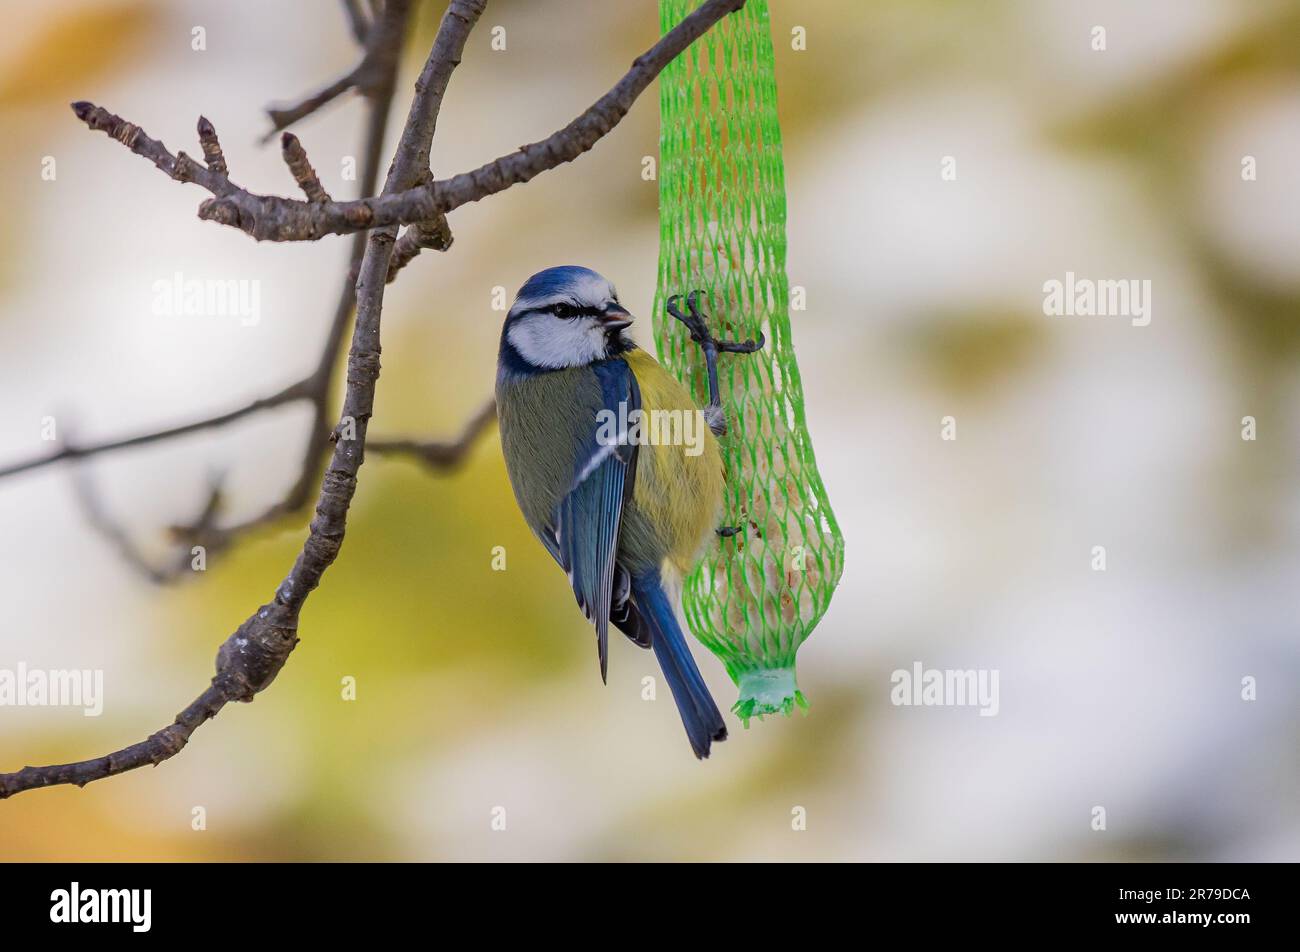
<point x="615" y="317"/>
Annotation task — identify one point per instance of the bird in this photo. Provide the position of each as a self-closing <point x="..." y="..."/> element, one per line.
<point x="627" y="517"/>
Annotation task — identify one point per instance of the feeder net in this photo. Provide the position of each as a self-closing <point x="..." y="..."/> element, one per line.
<point x="758" y="594"/>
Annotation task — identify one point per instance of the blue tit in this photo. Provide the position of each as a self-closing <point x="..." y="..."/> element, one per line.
<point x="626" y="517"/>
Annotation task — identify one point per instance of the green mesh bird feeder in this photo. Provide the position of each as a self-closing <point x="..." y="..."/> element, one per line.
<point x="759" y="593"/>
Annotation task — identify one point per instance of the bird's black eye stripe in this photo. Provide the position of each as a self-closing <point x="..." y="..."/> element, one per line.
<point x="568" y="312"/>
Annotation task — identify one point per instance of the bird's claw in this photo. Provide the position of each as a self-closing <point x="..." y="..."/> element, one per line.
<point x="696" y="323"/>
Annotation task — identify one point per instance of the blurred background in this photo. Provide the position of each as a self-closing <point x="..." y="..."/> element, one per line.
<point x="479" y="689"/>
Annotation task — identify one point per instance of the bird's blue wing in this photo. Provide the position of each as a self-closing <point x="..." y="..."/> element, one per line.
<point x="587" y="520"/>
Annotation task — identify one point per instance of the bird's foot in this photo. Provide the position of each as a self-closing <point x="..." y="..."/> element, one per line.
<point x="697" y="323"/>
<point x="727" y="532"/>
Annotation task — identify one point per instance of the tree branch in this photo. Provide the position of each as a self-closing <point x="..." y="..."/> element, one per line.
<point x="315" y="388"/>
<point x="168" y="742"/>
<point x="250" y="659"/>
<point x="283" y="116"/>
<point x="441" y="455"/>
<point x="357" y="21"/>
<point x="435" y="235"/>
<point x="99" y="519"/>
<point x="295" y="391"/>
<point x="381" y="42"/>
<point x="273" y="218"/>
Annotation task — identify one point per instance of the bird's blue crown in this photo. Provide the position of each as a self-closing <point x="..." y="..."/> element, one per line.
<point x="554" y="280"/>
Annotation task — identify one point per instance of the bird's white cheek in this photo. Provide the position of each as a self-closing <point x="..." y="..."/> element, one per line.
<point x="556" y="344"/>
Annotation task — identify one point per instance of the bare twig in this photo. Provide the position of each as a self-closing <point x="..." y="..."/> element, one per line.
<point x="441" y="455"/>
<point x="204" y="530"/>
<point x="212" y="154"/>
<point x="295" y="391"/>
<point x="99" y="519"/>
<point x="168" y="742"/>
<point x="300" y="168"/>
<point x="366" y="77"/>
<point x="274" y="218"/>
<point x="286" y="115"/>
<point x="357" y="21"/>
<point x="435" y="235"/>
<point x="102" y="523"/>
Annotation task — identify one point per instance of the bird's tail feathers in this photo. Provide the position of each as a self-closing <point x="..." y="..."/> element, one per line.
<point x="700" y="715"/>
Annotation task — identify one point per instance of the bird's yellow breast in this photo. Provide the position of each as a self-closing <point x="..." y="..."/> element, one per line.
<point x="677" y="496"/>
